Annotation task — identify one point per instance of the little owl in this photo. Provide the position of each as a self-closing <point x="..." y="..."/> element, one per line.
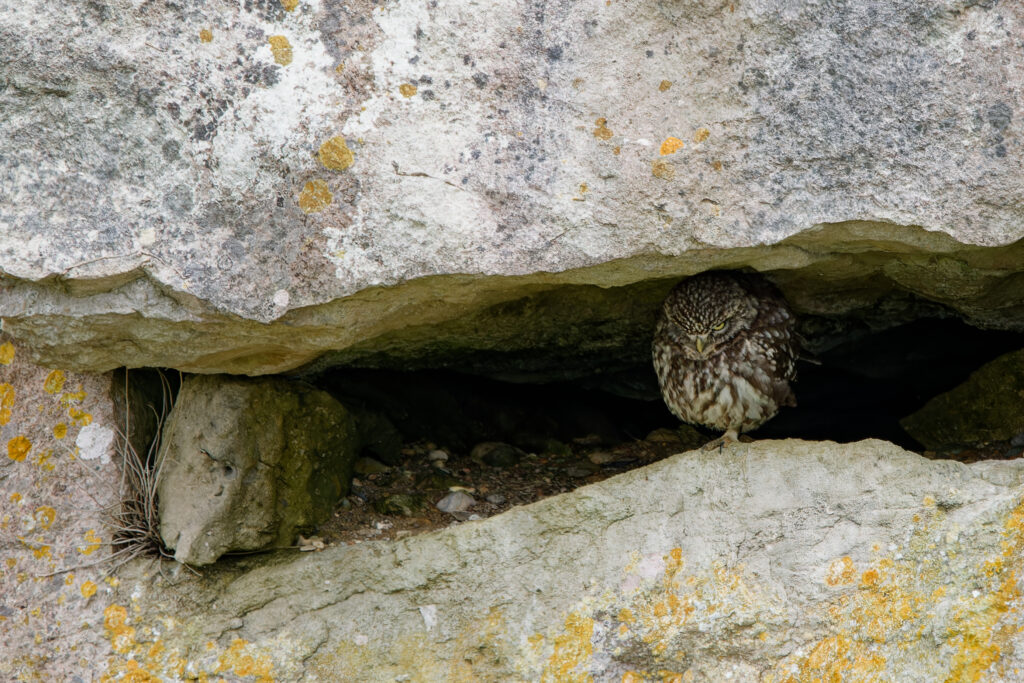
<point x="725" y="351"/>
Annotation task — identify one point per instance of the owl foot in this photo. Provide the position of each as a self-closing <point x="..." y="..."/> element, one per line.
<point x="730" y="437"/>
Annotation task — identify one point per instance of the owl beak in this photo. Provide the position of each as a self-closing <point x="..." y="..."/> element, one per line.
<point x="700" y="344"/>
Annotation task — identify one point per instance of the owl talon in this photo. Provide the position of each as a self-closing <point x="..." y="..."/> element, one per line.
<point x="729" y="438"/>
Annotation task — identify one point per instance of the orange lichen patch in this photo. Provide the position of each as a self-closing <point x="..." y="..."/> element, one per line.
<point x="663" y="169"/>
<point x="335" y="154"/>
<point x="69" y="397"/>
<point x="205" y="35"/>
<point x="93" y="542"/>
<point x="79" y="417"/>
<point x="88" y="589"/>
<point x="701" y="134"/>
<point x="54" y="382"/>
<point x="572" y="651"/>
<point x="869" y="578"/>
<point x="281" y="49"/>
<point x="632" y="677"/>
<point x="671" y="146"/>
<point x="978" y="637"/>
<point x="289" y="5"/>
<point x="122" y="636"/>
<point x="616" y="150"/>
<point x="840" y="572"/>
<point x="45" y="515"/>
<point x="583" y="188"/>
<point x="315" y="197"/>
<point x="60" y="430"/>
<point x="717" y="165"/>
<point x="6" y="353"/>
<point x="239" y="660"/>
<point x="601" y="132"/>
<point x="626" y="616"/>
<point x="664" y="85"/>
<point x="15" y="497"/>
<point x="18" y="448"/>
<point x="6" y="402"/>
<point x="407" y="89"/>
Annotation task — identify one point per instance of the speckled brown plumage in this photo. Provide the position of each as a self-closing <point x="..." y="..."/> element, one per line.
<point x="725" y="351"/>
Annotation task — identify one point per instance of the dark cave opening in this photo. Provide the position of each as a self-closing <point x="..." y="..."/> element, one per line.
<point x="859" y="387"/>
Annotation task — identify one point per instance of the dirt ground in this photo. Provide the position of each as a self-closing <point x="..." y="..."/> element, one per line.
<point x="401" y="501"/>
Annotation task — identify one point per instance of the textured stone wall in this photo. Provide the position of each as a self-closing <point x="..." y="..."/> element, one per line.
<point x="177" y="176"/>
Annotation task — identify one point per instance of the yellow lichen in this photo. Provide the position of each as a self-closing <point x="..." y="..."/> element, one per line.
<point x="289" y="5"/>
<point x="663" y="169"/>
<point x="6" y="402"/>
<point x="79" y="417"/>
<point x="671" y="146"/>
<point x="407" y="89"/>
<point x="6" y="353"/>
<point x="717" y="165"/>
<point x="205" y="35"/>
<point x="88" y="589"/>
<point x="315" y="196"/>
<point x="93" y="542"/>
<point x="701" y="134"/>
<point x="18" y="448"/>
<point x="335" y="154"/>
<point x="602" y="132"/>
<point x="60" y="430"/>
<point x="122" y="636"/>
<point x="281" y="49"/>
<point x="664" y="85"/>
<point x="45" y="516"/>
<point x="840" y="572"/>
<point x="239" y="660"/>
<point x="572" y="651"/>
<point x="54" y="382"/>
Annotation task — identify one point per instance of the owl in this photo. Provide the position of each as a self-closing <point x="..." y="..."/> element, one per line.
<point x="725" y="351"/>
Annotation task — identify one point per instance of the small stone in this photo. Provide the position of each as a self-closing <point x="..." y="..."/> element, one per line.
<point x="496" y="454"/>
<point x="496" y="499"/>
<point x="663" y="435"/>
<point x="601" y="458"/>
<point x="437" y="456"/>
<point x="456" y="501"/>
<point x="370" y="466"/>
<point x="399" y="504"/>
<point x="581" y="470"/>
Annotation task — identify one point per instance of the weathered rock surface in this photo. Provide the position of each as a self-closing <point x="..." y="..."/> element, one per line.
<point x="58" y="474"/>
<point x="775" y="561"/>
<point x="178" y="175"/>
<point x="247" y="464"/>
<point x="988" y="407"/>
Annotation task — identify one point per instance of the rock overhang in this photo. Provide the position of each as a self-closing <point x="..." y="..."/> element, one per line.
<point x="168" y="194"/>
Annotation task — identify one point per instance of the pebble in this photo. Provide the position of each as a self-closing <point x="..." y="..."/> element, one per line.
<point x="370" y="466"/>
<point x="601" y="458"/>
<point x="435" y="456"/>
<point x="456" y="501"/>
<point x="496" y="498"/>
<point x="398" y="504"/>
<point x="663" y="435"/>
<point x="496" y="454"/>
<point x="580" y="471"/>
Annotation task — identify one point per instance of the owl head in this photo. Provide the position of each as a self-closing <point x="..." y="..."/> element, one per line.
<point x="704" y="313"/>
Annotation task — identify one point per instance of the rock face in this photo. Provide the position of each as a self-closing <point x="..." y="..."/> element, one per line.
<point x="988" y="407"/>
<point x="177" y="175"/>
<point x="774" y="561"/>
<point x="246" y="464"/>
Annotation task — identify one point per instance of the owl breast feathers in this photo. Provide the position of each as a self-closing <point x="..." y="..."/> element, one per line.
<point x="725" y="351"/>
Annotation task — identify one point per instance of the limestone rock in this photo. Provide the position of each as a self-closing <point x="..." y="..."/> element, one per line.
<point x="776" y="560"/>
<point x="988" y="407"/>
<point x="247" y="464"/>
<point x="217" y="186"/>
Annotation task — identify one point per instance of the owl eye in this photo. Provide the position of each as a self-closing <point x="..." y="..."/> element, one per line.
<point x="718" y="327"/>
